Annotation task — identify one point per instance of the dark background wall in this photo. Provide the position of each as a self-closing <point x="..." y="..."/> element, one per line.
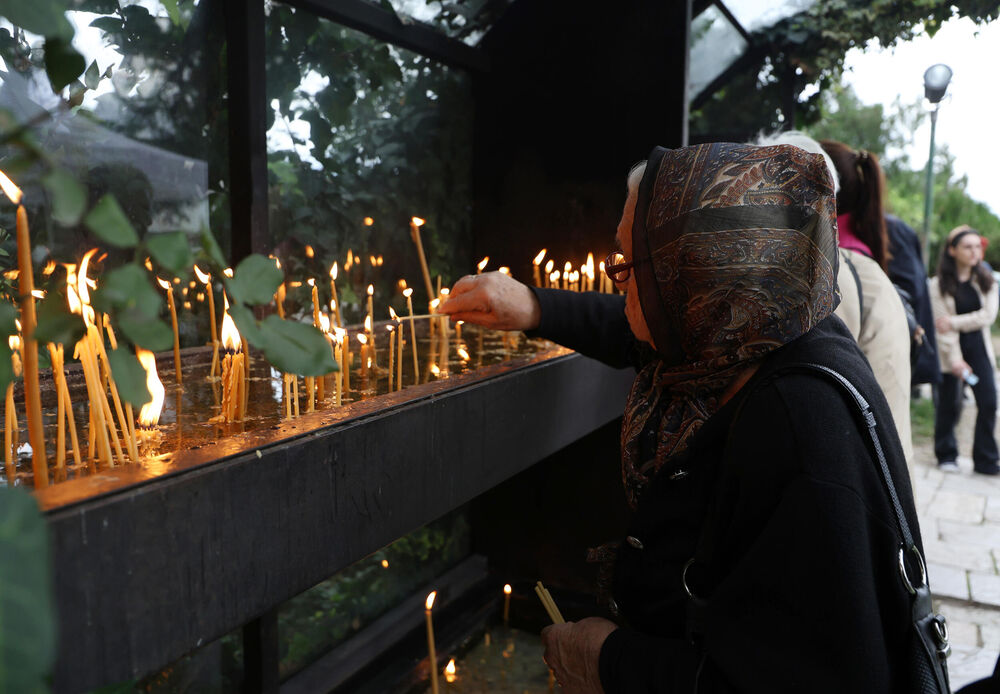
<point x="577" y="92"/>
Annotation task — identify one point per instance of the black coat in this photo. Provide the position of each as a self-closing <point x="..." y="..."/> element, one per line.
<point x="906" y="270"/>
<point x="808" y="596"/>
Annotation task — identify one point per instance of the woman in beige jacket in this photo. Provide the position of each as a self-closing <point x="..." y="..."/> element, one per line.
<point x="964" y="298"/>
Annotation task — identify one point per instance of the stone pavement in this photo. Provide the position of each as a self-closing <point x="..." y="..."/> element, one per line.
<point x="960" y="523"/>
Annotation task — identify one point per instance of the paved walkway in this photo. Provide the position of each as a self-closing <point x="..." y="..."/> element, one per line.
<point x="960" y="522"/>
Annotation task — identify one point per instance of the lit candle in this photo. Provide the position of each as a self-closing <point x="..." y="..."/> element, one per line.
<point x="506" y="604"/>
<point x="173" y="322"/>
<point x="415" y="224"/>
<point x="149" y="414"/>
<point x="26" y="285"/>
<point x="370" y="322"/>
<point x="450" y="674"/>
<point x="128" y="430"/>
<point x="431" y="648"/>
<point x="334" y="302"/>
<point x="10" y="413"/>
<point x="603" y="277"/>
<point x="206" y="279"/>
<point x="233" y="374"/>
<point x="534" y="266"/>
<point x="548" y="272"/>
<point x="315" y="300"/>
<point x="408" y="293"/>
<point x="590" y="272"/>
<point x="363" y="339"/>
<point x="567" y="269"/>
<point x="392" y="354"/>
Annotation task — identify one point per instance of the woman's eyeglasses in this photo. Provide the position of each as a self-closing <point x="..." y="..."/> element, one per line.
<point x="617" y="268"/>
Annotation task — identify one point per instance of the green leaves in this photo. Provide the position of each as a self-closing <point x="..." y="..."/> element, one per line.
<point x="56" y="324"/>
<point x="297" y="348"/>
<point x="6" y="367"/>
<point x="108" y="222"/>
<point x="255" y="280"/>
<point x="171" y="250"/>
<point x="152" y="334"/>
<point x="211" y="248"/>
<point x="92" y="77"/>
<point x="8" y="314"/>
<point x="42" y="17"/>
<point x="27" y="614"/>
<point x="130" y="377"/>
<point x="128" y="287"/>
<point x="62" y="63"/>
<point x="69" y="198"/>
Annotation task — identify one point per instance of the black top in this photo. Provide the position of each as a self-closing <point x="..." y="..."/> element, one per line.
<point x="809" y="598"/>
<point x="906" y="270"/>
<point x="971" y="343"/>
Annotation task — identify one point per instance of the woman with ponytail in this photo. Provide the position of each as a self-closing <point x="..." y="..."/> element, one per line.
<point x="964" y="298"/>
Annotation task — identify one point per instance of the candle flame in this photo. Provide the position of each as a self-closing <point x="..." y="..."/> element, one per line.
<point x="38" y="293"/>
<point x="294" y="284"/>
<point x="392" y="314"/>
<point x="333" y="305"/>
<point x="507" y="589"/>
<point x="554" y="277"/>
<point x="11" y="274"/>
<point x="435" y="303"/>
<point x="368" y="221"/>
<point x="408" y="292"/>
<point x="149" y="415"/>
<point x="429" y="602"/>
<point x="200" y="297"/>
<point x="350" y="260"/>
<point x="590" y="265"/>
<point x="549" y="266"/>
<point x="184" y="291"/>
<point x="14" y="341"/>
<point x="373" y="260"/>
<point x="482" y="263"/>
<point x="163" y="283"/>
<point x="333" y="270"/>
<point x="368" y="323"/>
<point x="202" y="276"/>
<point x="418" y="222"/>
<point x="148" y="263"/>
<point x="192" y="284"/>
<point x="401" y="284"/>
<point x="390" y="328"/>
<point x="567" y="267"/>
<point x="228" y="272"/>
<point x="380" y="261"/>
<point x="369" y="363"/>
<point x="324" y="322"/>
<point x="275" y="259"/>
<point x="504" y="270"/>
<point x="445" y="292"/>
<point x="82" y="285"/>
<point x="177" y="280"/>
<point x="309" y="251"/>
<point x="10" y="190"/>
<point x="435" y="369"/>
<point x="231" y="339"/>
<point x="362" y="338"/>
<point x="540" y="257"/>
<point x="50" y="267"/>
<point x="463" y="354"/>
<point x="601" y="266"/>
<point x="449" y="671"/>
<point x="385" y="563"/>
<point x="371" y="289"/>
<point x="311" y="282"/>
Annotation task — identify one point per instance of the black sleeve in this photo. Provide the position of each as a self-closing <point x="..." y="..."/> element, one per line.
<point x="632" y="663"/>
<point x="591" y="323"/>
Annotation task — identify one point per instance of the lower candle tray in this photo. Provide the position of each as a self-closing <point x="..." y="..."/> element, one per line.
<point x="185" y="437"/>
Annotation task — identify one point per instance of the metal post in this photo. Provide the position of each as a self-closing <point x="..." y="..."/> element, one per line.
<point x="929" y="190"/>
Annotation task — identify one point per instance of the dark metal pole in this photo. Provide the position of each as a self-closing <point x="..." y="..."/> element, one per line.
<point x="929" y="190"/>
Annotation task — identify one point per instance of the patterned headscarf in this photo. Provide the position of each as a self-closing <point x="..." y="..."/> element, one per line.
<point x="736" y="255"/>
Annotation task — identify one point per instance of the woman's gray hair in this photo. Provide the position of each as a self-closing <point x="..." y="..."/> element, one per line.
<point x="799" y="139"/>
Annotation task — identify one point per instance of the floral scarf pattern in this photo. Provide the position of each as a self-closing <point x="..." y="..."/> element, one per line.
<point x="743" y="244"/>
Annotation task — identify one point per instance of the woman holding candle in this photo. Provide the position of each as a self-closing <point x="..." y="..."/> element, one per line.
<point x="764" y="551"/>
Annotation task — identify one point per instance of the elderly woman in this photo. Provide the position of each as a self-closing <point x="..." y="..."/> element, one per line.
<point x="764" y="550"/>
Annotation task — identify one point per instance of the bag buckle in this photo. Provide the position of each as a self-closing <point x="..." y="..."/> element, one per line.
<point x="902" y="569"/>
<point x="940" y="625"/>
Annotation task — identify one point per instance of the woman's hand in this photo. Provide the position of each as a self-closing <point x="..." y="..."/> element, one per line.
<point x="943" y="324"/>
<point x="573" y="652"/>
<point x="494" y="301"/>
<point x="960" y="368"/>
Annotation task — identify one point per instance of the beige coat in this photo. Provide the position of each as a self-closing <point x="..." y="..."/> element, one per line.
<point x="878" y="323"/>
<point x="949" y="352"/>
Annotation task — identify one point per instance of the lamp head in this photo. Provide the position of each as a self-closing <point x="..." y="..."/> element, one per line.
<point x="936" y="80"/>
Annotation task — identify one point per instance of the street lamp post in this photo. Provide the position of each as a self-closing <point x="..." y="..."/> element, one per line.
<point x="936" y="80"/>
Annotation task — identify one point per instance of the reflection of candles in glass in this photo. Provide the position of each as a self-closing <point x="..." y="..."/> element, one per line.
<point x="450" y="674"/>
<point x="173" y="323"/>
<point x="535" y="263"/>
<point x="463" y="354"/>
<point x="206" y="279"/>
<point x="309" y="251"/>
<point x="548" y="272"/>
<point x="368" y="221"/>
<point x="363" y="339"/>
<point x="385" y="563"/>
<point x="415" y="224"/>
<point x="482" y="265"/>
<point x="458" y="329"/>
<point x="506" y="604"/>
<point x="392" y="354"/>
<point x="431" y="648"/>
<point x="399" y="348"/>
<point x="26" y="284"/>
<point x="349" y="263"/>
<point x="233" y="374"/>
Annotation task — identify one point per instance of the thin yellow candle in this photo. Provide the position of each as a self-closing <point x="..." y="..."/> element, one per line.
<point x="431" y="647"/>
<point x="173" y="323"/>
<point x="534" y="266"/>
<point x="26" y="286"/>
<point x="415" y="224"/>
<point x="392" y="354"/>
<point x="567" y="272"/>
<point x="548" y="272"/>
<point x="399" y="355"/>
<point x="506" y="604"/>
<point x="206" y="279"/>
<point x="315" y="300"/>
<point x="408" y="293"/>
<point x="363" y="339"/>
<point x="10" y="414"/>
<point x="334" y="302"/>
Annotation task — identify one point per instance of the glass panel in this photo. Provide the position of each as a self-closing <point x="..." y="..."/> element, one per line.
<point x="149" y="126"/>
<point x="362" y="137"/>
<point x="715" y="45"/>
<point x="216" y="668"/>
<point x="465" y="20"/>
<point x="758" y="14"/>
<point x="330" y="612"/>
